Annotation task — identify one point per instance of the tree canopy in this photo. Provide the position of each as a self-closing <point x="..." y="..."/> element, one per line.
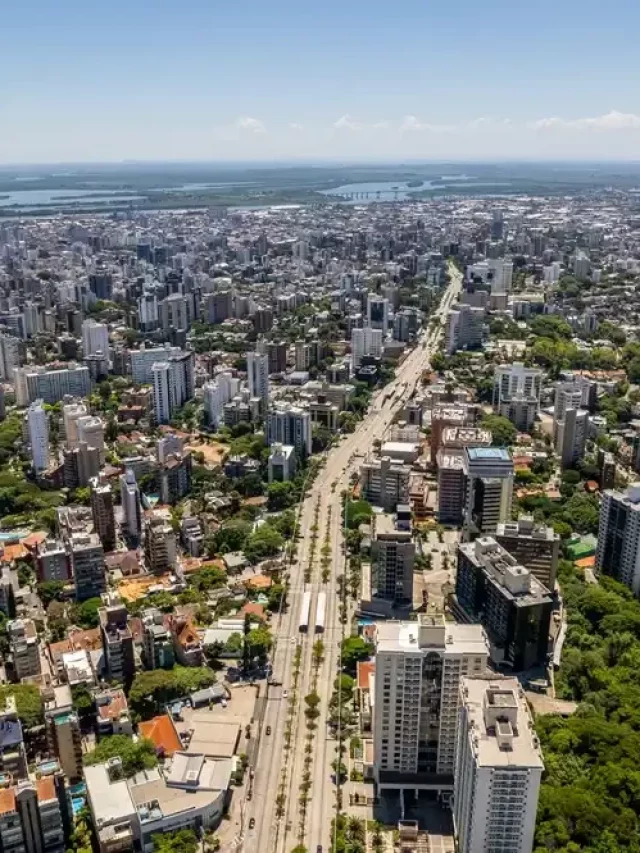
<point x="151" y="691"/>
<point x="135" y="755"/>
<point x="590" y="796"/>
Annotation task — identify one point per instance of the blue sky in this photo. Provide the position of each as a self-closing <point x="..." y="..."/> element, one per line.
<point x="353" y="80"/>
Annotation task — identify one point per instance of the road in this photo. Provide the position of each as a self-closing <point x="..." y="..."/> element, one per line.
<point x="280" y="835"/>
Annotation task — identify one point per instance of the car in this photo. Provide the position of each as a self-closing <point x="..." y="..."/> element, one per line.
<point x="285" y="693"/>
<point x="252" y="822"/>
<point x="319" y="848"/>
<point x="268" y="730"/>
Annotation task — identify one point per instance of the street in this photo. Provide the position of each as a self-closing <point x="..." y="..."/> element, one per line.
<point x="276" y="764"/>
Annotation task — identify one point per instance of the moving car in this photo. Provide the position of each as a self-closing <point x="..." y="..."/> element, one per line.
<point x="252" y="822"/>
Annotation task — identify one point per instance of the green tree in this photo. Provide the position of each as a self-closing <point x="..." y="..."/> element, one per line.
<point x="354" y="649"/>
<point x="152" y="691"/>
<point x="280" y="496"/>
<point x="503" y="432"/>
<point x="263" y="543"/>
<point x="49" y="591"/>
<point x="358" y="512"/>
<point x="181" y="841"/>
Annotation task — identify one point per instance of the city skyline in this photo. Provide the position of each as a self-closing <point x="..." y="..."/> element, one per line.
<point x="272" y="82"/>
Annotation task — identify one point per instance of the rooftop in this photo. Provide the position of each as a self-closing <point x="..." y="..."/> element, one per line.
<point x="501" y="727"/>
<point x="489" y="453"/>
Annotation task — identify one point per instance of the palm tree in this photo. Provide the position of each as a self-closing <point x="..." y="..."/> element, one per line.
<point x="356" y="829"/>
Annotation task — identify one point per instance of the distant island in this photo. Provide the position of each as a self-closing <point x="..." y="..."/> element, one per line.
<point x="414" y="184"/>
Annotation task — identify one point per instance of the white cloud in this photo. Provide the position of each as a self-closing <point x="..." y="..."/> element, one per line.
<point x="345" y="122"/>
<point x="253" y="125"/>
<point x="613" y="120"/>
<point x="380" y="125"/>
<point x="295" y="126"/>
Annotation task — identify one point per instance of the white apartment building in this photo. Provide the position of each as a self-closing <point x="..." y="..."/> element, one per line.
<point x="502" y="275"/>
<point x="142" y="362"/>
<point x="290" y="425"/>
<point x="516" y="393"/>
<point x="221" y="390"/>
<point x="258" y="376"/>
<point x="464" y="328"/>
<point x="38" y="429"/>
<point x="95" y="338"/>
<point x="419" y="666"/>
<point x="384" y="482"/>
<point x="51" y="386"/>
<point x="498" y="769"/>
<point x="71" y="413"/>
<point x="366" y="342"/>
<point x="173" y="385"/>
<point x="130" y="499"/>
<point x="161" y="373"/>
<point x="91" y="431"/>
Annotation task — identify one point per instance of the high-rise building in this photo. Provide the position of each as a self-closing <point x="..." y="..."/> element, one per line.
<point x="71" y="414"/>
<point x="417" y="698"/>
<point x="31" y="819"/>
<point x="465" y="328"/>
<point x="23" y="645"/>
<point x="87" y="559"/>
<point x="366" y="342"/>
<point x="392" y="557"/>
<point x="277" y="352"/>
<point x="161" y="392"/>
<point x="489" y="493"/>
<point x="571" y="436"/>
<point x="282" y="463"/>
<point x="516" y="394"/>
<point x="510" y="602"/>
<point x="290" y="425"/>
<point x="173" y="313"/>
<point x="159" y="545"/>
<point x="218" y="306"/>
<point x="498" y="769"/>
<point x="223" y="388"/>
<point x="95" y="338"/>
<point x="53" y="563"/>
<point x="385" y="483"/>
<point x="258" y="377"/>
<point x="618" y="550"/>
<point x="117" y="642"/>
<point x="452" y="483"/>
<point x="502" y="276"/>
<point x="11" y="356"/>
<point x="38" y="430"/>
<point x="576" y="392"/>
<point x="131" y="509"/>
<point x="173" y="385"/>
<point x="51" y="386"/>
<point x="534" y="546"/>
<point x="64" y="739"/>
<point x="104" y="520"/>
<point x="142" y="361"/>
<point x="377" y="312"/>
<point x="91" y="432"/>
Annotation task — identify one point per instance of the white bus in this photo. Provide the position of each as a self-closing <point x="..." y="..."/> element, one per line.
<point x="321" y="611"/>
<point x="305" y="610"/>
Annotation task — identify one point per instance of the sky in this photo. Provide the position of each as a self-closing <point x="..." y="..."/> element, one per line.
<point x="351" y="80"/>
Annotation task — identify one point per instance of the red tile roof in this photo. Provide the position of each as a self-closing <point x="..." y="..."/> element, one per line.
<point x="161" y="732"/>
